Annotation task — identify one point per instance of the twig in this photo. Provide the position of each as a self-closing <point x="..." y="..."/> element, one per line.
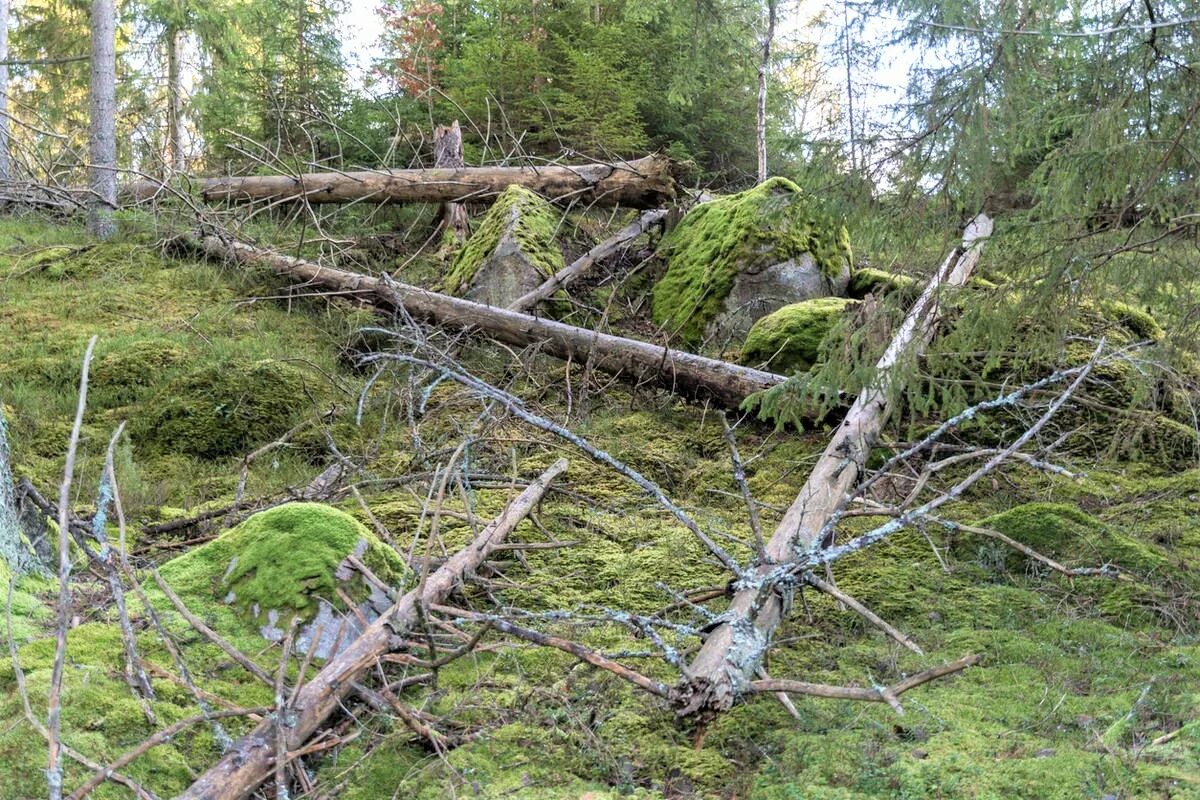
<point x="54" y="702"/>
<point x="739" y="475"/>
<point x="864" y="612"/>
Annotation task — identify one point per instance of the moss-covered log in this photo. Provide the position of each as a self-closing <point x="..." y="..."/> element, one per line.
<point x="638" y="362"/>
<point x="642" y="183"/>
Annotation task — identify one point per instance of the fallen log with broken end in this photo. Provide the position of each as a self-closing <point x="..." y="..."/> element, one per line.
<point x="725" y="667"/>
<point x="250" y="760"/>
<point x="639" y="362"/>
<point x="642" y="183"/>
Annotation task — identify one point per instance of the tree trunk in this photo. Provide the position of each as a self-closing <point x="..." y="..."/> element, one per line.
<point x="583" y="265"/>
<point x="5" y="174"/>
<point x="638" y="362"/>
<point x="448" y="154"/>
<point x="250" y="761"/>
<point x="644" y="183"/>
<point x="734" y="650"/>
<point x="102" y="94"/>
<point x="764" y="71"/>
<point x="175" y="155"/>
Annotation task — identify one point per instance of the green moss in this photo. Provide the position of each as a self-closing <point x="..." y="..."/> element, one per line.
<point x="536" y="223"/>
<point x="789" y="340"/>
<point x="129" y="370"/>
<point x="771" y="223"/>
<point x="877" y="281"/>
<point x="1138" y="322"/>
<point x="219" y="410"/>
<point x="282" y="559"/>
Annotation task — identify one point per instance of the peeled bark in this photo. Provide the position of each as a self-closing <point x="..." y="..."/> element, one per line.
<point x="638" y="362"/>
<point x="102" y="103"/>
<point x="644" y="183"/>
<point x="731" y="655"/>
<point x="251" y="759"/>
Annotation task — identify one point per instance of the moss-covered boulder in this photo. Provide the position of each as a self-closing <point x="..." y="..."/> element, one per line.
<point x="870" y="280"/>
<point x="223" y="409"/>
<point x="739" y="257"/>
<point x="788" y="340"/>
<point x="511" y="252"/>
<point x="290" y="561"/>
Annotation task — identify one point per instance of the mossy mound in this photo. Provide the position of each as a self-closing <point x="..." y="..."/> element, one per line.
<point x="877" y="282"/>
<point x="221" y="410"/>
<point x="128" y="372"/>
<point x="769" y="224"/>
<point x="1064" y="532"/>
<point x="789" y="340"/>
<point x="523" y="215"/>
<point x="283" y="559"/>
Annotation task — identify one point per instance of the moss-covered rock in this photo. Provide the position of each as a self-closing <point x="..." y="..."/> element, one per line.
<point x="220" y="410"/>
<point x="125" y="374"/>
<point x="512" y="250"/>
<point x="789" y="340"/>
<point x="870" y="280"/>
<point x="772" y="224"/>
<point x="285" y="559"/>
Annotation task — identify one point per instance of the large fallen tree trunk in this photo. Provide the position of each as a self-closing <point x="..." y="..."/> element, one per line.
<point x="639" y="362"/>
<point x="643" y="183"/>
<point x="733" y="652"/>
<point x="251" y="759"/>
<point x="583" y="266"/>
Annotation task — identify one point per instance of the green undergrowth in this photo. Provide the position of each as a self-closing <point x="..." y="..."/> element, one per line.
<point x="535" y="224"/>
<point x="1079" y="676"/>
<point x="769" y="224"/>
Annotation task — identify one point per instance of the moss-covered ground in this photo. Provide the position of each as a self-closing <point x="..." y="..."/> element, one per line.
<point x="1080" y="676"/>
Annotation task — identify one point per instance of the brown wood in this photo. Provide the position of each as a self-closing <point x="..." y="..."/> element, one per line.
<point x="727" y="662"/>
<point x="643" y="183"/>
<point x="583" y="266"/>
<point x="251" y="759"/>
<point x="448" y="154"/>
<point x="635" y="361"/>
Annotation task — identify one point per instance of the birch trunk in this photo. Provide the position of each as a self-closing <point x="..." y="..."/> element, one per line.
<point x="734" y="650"/>
<point x="102" y="97"/>
<point x="764" y="71"/>
<point x="175" y="155"/>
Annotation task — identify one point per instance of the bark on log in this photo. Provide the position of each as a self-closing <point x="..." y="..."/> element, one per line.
<point x="448" y="154"/>
<point x="726" y="664"/>
<point x="635" y="361"/>
<point x="582" y="266"/>
<point x="251" y="759"/>
<point x="643" y="183"/>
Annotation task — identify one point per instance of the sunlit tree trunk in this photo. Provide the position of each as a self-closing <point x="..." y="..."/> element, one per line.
<point x="764" y="67"/>
<point x="102" y="95"/>
<point x="175" y="155"/>
<point x="4" y="168"/>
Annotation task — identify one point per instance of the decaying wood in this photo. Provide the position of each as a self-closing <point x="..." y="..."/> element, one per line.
<point x="448" y="154"/>
<point x="642" y="183"/>
<point x="583" y="266"/>
<point x="730" y="656"/>
<point x="639" y="362"/>
<point x="251" y="759"/>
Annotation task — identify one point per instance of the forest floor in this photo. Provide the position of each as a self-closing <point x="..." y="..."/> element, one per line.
<point x="1088" y="687"/>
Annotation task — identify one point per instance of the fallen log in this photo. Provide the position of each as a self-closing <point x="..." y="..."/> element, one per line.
<point x="582" y="266"/>
<point x="726" y="665"/>
<point x="251" y="759"/>
<point x="640" y="362"/>
<point x="642" y="183"/>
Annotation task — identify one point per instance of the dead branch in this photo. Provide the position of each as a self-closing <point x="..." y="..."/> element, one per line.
<point x="249" y="761"/>
<point x="875" y="694"/>
<point x="635" y="361"/>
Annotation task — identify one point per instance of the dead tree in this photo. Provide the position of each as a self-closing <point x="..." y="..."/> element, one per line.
<point x="448" y="154"/>
<point x="253" y="759"/>
<point x="643" y="183"/>
<point x="639" y="362"/>
<point x="733" y="651"/>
